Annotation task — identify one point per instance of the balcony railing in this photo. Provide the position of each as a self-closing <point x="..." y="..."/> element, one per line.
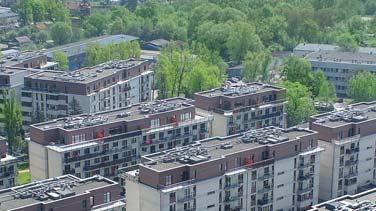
<point x="304" y="190"/>
<point x="265" y="188"/>
<point x="351" y="162"/>
<point x="246" y="108"/>
<point x="187" y="197"/>
<point x="266" y="176"/>
<point x="305" y="176"/>
<point x="353" y="150"/>
<point x="231" y="185"/>
<point x="350" y="175"/>
<point x="264" y="201"/>
<point x="230" y="198"/>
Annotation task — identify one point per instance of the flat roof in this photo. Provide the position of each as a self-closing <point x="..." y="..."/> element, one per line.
<point x="360" y="201"/>
<point x="328" y="47"/>
<point x="8" y="71"/>
<point x="80" y="46"/>
<point x="238" y="88"/>
<point x="18" y="57"/>
<point x="218" y="147"/>
<point x="355" y="113"/>
<point x="50" y="190"/>
<point x="130" y="113"/>
<point x="88" y="74"/>
<point x="343" y="57"/>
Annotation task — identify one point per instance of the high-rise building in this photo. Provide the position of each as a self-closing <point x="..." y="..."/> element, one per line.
<point x="238" y="107"/>
<point x="100" y="143"/>
<point x="64" y="193"/>
<point x="53" y="94"/>
<point x="348" y="162"/>
<point x="265" y="169"/>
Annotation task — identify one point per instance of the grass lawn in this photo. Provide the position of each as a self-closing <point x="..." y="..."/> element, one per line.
<point x="23" y="177"/>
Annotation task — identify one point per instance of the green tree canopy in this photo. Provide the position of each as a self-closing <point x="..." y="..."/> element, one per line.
<point x="12" y="118"/>
<point x="362" y="87"/>
<point x="62" y="59"/>
<point x="61" y="33"/>
<point x="256" y="66"/>
<point x="299" y="103"/>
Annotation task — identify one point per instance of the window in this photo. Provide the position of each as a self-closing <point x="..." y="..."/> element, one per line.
<point x="211" y="192"/>
<point x="172" y="197"/>
<point x="168" y="180"/>
<point x="84" y="204"/>
<point x="211" y="206"/>
<point x="107" y="197"/>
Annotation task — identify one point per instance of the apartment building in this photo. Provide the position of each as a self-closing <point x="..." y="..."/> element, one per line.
<point x="64" y="193"/>
<point x="238" y="106"/>
<point x="8" y="166"/>
<point x="53" y="94"/>
<point x="27" y="59"/>
<point x="303" y="49"/>
<point x="361" y="201"/>
<point x="340" y="66"/>
<point x="349" y="161"/>
<point x="101" y="143"/>
<point x="265" y="169"/>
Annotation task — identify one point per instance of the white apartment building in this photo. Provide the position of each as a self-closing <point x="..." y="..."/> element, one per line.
<point x="266" y="169"/>
<point x="53" y="94"/>
<point x="349" y="160"/>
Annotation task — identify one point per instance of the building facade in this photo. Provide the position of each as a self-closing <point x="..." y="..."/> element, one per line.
<point x="8" y="166"/>
<point x="64" y="193"/>
<point x="87" y="145"/>
<point x="349" y="160"/>
<point x="264" y="169"/>
<point x="237" y="107"/>
<point x="54" y="94"/>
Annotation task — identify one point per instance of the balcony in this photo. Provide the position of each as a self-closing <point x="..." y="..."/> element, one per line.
<point x="351" y="162"/>
<point x="231" y="198"/>
<point x="305" y="176"/>
<point x="353" y="150"/>
<point x="304" y="165"/>
<point x="266" y="189"/>
<point x="6" y="174"/>
<point x="266" y="176"/>
<point x="233" y="185"/>
<point x="351" y="175"/>
<point x="111" y="163"/>
<point x="96" y="154"/>
<point x="187" y="198"/>
<point x="264" y="201"/>
<point x="70" y="171"/>
<point x="304" y="190"/>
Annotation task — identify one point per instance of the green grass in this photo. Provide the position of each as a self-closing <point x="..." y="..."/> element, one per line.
<point x="23" y="177"/>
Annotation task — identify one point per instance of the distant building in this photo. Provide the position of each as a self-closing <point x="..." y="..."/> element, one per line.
<point x="28" y="59"/>
<point x="8" y="166"/>
<point x="8" y="3"/>
<point x="365" y="200"/>
<point x="348" y="164"/>
<point x="23" y="40"/>
<point x="101" y="143"/>
<point x="8" y="19"/>
<point x="265" y="169"/>
<point x="235" y="71"/>
<point x="64" y="193"/>
<point x="54" y="94"/>
<point x="238" y="107"/>
<point x="155" y="45"/>
<point x="339" y="66"/>
<point x="76" y="51"/>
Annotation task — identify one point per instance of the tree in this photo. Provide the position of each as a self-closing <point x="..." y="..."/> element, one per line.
<point x="41" y="37"/>
<point x="318" y="78"/>
<point x="298" y="70"/>
<point x="299" y="103"/>
<point x="61" y="33"/>
<point x="327" y="92"/>
<point x="256" y="66"/>
<point x="95" y="25"/>
<point x="12" y="118"/>
<point x="25" y="11"/>
<point x="347" y="42"/>
<point x="74" y="107"/>
<point x="242" y="39"/>
<point x="62" y="59"/>
<point x="362" y="87"/>
<point x="39" y="11"/>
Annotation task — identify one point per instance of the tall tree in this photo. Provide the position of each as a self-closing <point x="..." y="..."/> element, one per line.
<point x="327" y="92"/>
<point x="347" y="42"/>
<point x="241" y="40"/>
<point x="61" y="33"/>
<point x="362" y="87"/>
<point x="298" y="70"/>
<point x="12" y="118"/>
<point x="62" y="59"/>
<point x="256" y="66"/>
<point x="299" y="103"/>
